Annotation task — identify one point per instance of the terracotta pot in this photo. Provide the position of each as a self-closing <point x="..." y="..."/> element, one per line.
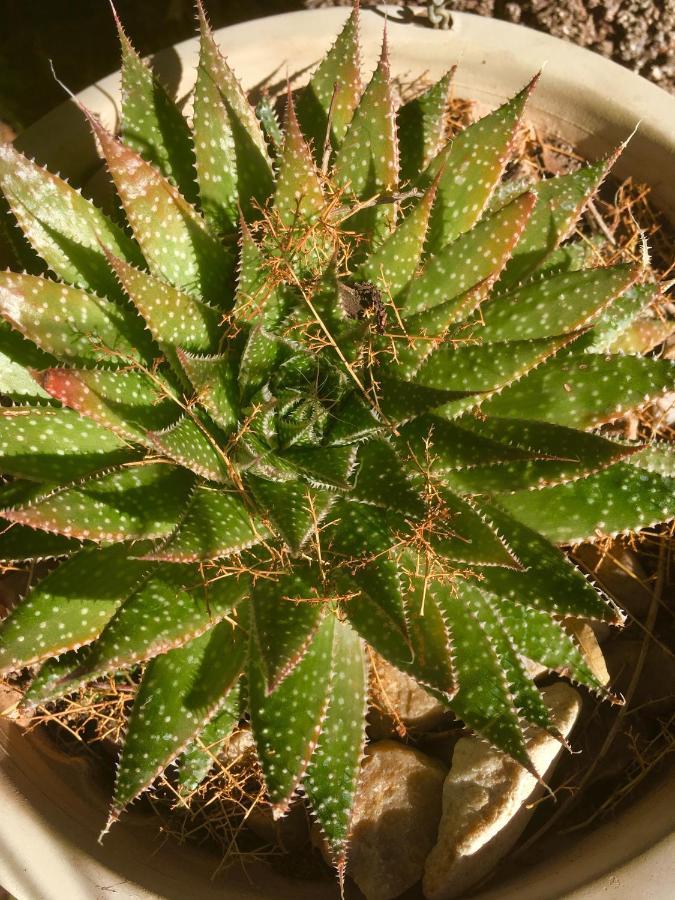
<point x="53" y="810"/>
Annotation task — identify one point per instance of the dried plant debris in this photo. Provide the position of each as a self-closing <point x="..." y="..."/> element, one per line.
<point x="351" y="398"/>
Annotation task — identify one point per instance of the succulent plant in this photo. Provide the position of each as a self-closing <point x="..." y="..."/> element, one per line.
<point x="342" y="392"/>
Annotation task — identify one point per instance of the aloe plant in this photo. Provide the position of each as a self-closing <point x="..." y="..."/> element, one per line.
<point x="304" y="406"/>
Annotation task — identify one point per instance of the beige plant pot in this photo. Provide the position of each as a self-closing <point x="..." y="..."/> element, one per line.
<point x="50" y="811"/>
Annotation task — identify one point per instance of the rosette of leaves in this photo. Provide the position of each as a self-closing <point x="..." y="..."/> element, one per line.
<point x="308" y="393"/>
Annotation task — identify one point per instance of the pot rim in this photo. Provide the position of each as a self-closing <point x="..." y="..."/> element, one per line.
<point x="636" y="849"/>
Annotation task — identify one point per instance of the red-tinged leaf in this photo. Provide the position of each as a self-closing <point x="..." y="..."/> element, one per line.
<point x="175" y="319"/>
<point x="367" y="161"/>
<point x="557" y="305"/>
<point x="287" y="723"/>
<point x="180" y="691"/>
<point x="19" y="543"/>
<point x="332" y="777"/>
<point x="394" y="263"/>
<point x="334" y="90"/>
<point x="128" y="403"/>
<point x="173" y="606"/>
<point x="642" y="336"/>
<point x="72" y="324"/>
<point x="194" y="448"/>
<point x="294" y="508"/>
<point x="70" y="606"/>
<point x="478" y="255"/>
<point x="56" y="445"/>
<point x="64" y="228"/>
<point x="422" y="126"/>
<point x="216" y="524"/>
<point x="127" y="504"/>
<point x="619" y="498"/>
<point x="298" y="199"/>
<point x="215" y="383"/>
<point x="232" y="162"/>
<point x="472" y="165"/>
<point x="285" y="614"/>
<point x="172" y="235"/>
<point x="606" y="334"/>
<point x="483" y="701"/>
<point x="581" y="390"/>
<point x="547" y="581"/>
<point x="152" y="123"/>
<point x="560" y="202"/>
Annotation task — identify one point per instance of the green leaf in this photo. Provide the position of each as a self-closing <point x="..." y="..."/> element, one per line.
<point x="367" y="161"/>
<point x="152" y="124"/>
<point x="19" y="543"/>
<point x="471" y="258"/>
<point x="392" y="265"/>
<point x="128" y="403"/>
<point x="382" y="481"/>
<point x="261" y="356"/>
<point x="179" y="692"/>
<point x="175" y="319"/>
<point x="617" y="319"/>
<point x="172" y="607"/>
<point x="143" y="501"/>
<point x="69" y="606"/>
<point x="69" y="323"/>
<point x="655" y="457"/>
<point x="258" y="298"/>
<point x="399" y="401"/>
<point x="471" y="165"/>
<point x="199" y="757"/>
<point x="51" y="681"/>
<point x="216" y="524"/>
<point x="294" y="508"/>
<point x="57" y="445"/>
<point x="430" y="641"/>
<point x="287" y="723"/>
<point x="16" y="381"/>
<point x="548" y="581"/>
<point x="298" y="199"/>
<point x="194" y="448"/>
<point x="172" y="235"/>
<point x="484" y="700"/>
<point x="560" y="202"/>
<point x="231" y="154"/>
<point x="620" y="498"/>
<point x="269" y="121"/>
<point x="333" y="773"/>
<point x="421" y="127"/>
<point x="582" y="391"/>
<point x="322" y="466"/>
<point x="337" y="84"/>
<point x="64" y="228"/>
<point x="215" y="381"/>
<point x="541" y="638"/>
<point x="463" y="534"/>
<point x="285" y="615"/>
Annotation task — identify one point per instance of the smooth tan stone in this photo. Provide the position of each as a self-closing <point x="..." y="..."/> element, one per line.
<point x="400" y="694"/>
<point x="487" y="801"/>
<point x="395" y="820"/>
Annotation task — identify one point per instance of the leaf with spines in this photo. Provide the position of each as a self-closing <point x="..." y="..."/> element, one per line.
<point x="152" y="123"/>
<point x="287" y="723"/>
<point x="334" y="89"/>
<point x="19" y="543"/>
<point x="298" y="199"/>
<point x="126" y="504"/>
<point x="333" y="773"/>
<point x="619" y="498"/>
<point x="179" y="692"/>
<point x="173" y="236"/>
<point x="70" y="606"/>
<point x="619" y="317"/>
<point x="295" y="509"/>
<point x="63" y="227"/>
<point x="262" y="354"/>
<point x="216" y="524"/>
<point x="472" y="165"/>
<point x="581" y="390"/>
<point x="58" y="445"/>
<point x="431" y="663"/>
<point x="190" y="444"/>
<point x="200" y="756"/>
<point x="382" y="481"/>
<point x="128" y="403"/>
<point x="214" y="380"/>
<point x="69" y="323"/>
<point x="421" y="127"/>
<point x="323" y="466"/>
<point x="285" y="614"/>
<point x="269" y="121"/>
<point x="257" y="299"/>
<point x="469" y="260"/>
<point x="462" y="534"/>
<point x="657" y="456"/>
<point x="231" y="156"/>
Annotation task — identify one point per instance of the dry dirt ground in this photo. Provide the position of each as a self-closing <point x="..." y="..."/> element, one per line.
<point x="78" y="36"/>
